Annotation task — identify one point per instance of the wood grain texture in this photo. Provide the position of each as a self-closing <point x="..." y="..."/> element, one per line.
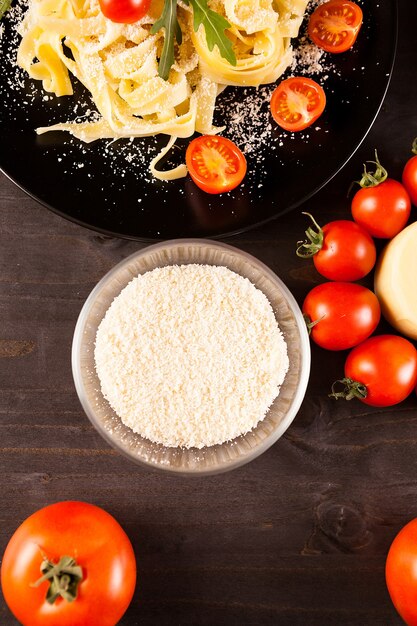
<point x="297" y="537"/>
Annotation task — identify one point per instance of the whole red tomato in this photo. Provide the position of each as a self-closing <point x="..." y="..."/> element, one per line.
<point x="401" y="572"/>
<point x="124" y="11"/>
<point x="341" y="250"/>
<point x="381" y="371"/>
<point x="64" y="551"/>
<point x="341" y="315"/>
<point x="382" y="207"/>
<point x="409" y="177"/>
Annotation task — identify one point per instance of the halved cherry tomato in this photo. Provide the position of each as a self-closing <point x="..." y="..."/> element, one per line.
<point x="335" y="25"/>
<point x="341" y="250"/>
<point x="341" y="315"/>
<point x="409" y="178"/>
<point x="124" y="11"/>
<point x="297" y="102"/>
<point x="71" y="564"/>
<point x="215" y="163"/>
<point x="381" y="371"/>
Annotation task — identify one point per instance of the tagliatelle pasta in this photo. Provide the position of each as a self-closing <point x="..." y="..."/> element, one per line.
<point x="118" y="64"/>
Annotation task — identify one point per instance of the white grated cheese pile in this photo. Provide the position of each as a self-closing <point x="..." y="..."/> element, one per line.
<point x="190" y="355"/>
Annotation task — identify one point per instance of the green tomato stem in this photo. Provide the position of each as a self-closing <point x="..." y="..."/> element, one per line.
<point x="373" y="179"/>
<point x="351" y="389"/>
<point x="314" y="241"/>
<point x="310" y="324"/>
<point x="63" y="577"/>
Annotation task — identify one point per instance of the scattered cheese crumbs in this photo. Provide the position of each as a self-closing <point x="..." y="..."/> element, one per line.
<point x="190" y="355"/>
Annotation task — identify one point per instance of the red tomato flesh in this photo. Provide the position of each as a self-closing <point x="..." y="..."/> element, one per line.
<point x="215" y="163"/>
<point x="297" y="102"/>
<point x="346" y="314"/>
<point x="334" y="25"/>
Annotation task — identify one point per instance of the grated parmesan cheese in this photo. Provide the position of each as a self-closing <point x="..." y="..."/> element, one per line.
<point x="190" y="355"/>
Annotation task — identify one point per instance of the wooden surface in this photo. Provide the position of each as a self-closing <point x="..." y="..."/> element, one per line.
<point x="297" y="537"/>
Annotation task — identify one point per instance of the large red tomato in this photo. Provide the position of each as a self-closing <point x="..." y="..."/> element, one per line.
<point x="69" y="564"/>
<point x="341" y="315"/>
<point x="381" y="371"/>
<point x="401" y="573"/>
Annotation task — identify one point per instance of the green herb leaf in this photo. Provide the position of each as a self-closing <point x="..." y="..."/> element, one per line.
<point x="214" y="26"/>
<point x="4" y="6"/>
<point x="169" y="21"/>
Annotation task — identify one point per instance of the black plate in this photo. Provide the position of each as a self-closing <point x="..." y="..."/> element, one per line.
<point x="105" y="185"/>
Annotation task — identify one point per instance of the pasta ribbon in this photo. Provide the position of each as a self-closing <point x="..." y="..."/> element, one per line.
<point x="118" y="64"/>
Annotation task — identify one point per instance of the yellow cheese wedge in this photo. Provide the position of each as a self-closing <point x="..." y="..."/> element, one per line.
<point x="396" y="281"/>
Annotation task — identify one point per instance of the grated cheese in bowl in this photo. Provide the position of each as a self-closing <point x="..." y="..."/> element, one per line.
<point x="191" y="356"/>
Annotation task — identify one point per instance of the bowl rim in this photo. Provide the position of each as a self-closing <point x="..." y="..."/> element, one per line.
<point x="295" y="403"/>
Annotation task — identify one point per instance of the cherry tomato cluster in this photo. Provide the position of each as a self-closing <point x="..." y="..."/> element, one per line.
<point x="380" y="370"/>
<point x="299" y="101"/>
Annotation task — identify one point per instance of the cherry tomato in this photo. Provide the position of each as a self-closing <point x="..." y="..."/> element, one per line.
<point x="297" y="102"/>
<point x="382" y="206"/>
<point x="215" y="163"/>
<point x="381" y="371"/>
<point x="124" y="11"/>
<point x="401" y="572"/>
<point x="335" y="25"/>
<point x="341" y="250"/>
<point x="341" y="315"/>
<point x="409" y="178"/>
<point x="95" y="563"/>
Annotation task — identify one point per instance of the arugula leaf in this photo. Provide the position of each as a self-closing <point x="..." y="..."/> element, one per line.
<point x="214" y="26"/>
<point x="169" y="21"/>
<point x="4" y="6"/>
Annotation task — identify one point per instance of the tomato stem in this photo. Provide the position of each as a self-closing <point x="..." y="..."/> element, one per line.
<point x="63" y="577"/>
<point x="306" y="249"/>
<point x="351" y="389"/>
<point x="310" y="324"/>
<point x="414" y="146"/>
<point x="373" y="179"/>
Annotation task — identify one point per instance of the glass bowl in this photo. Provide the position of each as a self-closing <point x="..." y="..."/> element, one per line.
<point x="213" y="459"/>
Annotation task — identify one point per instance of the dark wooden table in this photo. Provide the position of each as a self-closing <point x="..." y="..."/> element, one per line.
<point x="297" y="537"/>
